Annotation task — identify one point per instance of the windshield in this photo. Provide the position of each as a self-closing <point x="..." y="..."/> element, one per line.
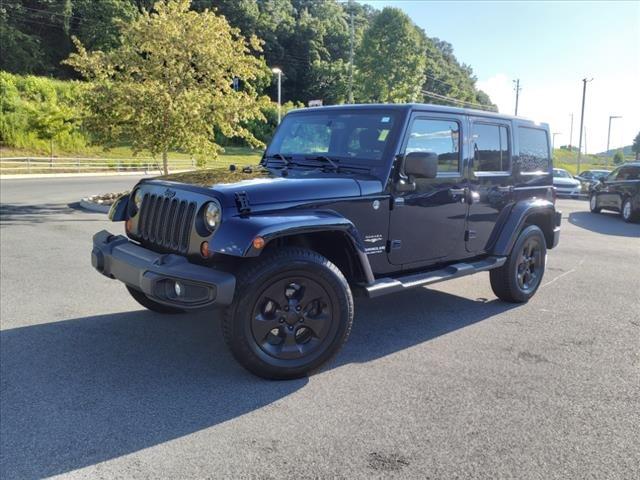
<point x="561" y="174"/>
<point x="350" y="136"/>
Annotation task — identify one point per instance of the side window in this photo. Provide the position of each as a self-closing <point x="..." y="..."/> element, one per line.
<point x="491" y="152"/>
<point x="587" y="175"/>
<point x="624" y="174"/>
<point x="534" y="150"/>
<point x="634" y="173"/>
<point x="437" y="136"/>
<point x="613" y="176"/>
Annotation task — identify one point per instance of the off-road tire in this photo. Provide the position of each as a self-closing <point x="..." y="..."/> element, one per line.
<point x="257" y="283"/>
<point x="630" y="215"/>
<point x="152" y="305"/>
<point x="593" y="203"/>
<point x="505" y="280"/>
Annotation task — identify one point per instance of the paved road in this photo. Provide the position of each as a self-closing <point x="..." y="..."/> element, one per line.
<point x="444" y="382"/>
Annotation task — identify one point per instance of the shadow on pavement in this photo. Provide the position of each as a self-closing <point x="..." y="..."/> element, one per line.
<point x="607" y="223"/>
<point x="81" y="391"/>
<point x="13" y="214"/>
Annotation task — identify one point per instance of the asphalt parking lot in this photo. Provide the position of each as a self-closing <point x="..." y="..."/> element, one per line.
<point x="445" y="382"/>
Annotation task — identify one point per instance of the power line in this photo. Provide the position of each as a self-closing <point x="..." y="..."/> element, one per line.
<point x="455" y="100"/>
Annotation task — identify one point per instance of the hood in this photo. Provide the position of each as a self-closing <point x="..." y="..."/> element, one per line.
<point x="565" y="182"/>
<point x="263" y="186"/>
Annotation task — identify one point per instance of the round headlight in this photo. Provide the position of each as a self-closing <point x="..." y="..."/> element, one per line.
<point x="212" y="214"/>
<point x="137" y="199"/>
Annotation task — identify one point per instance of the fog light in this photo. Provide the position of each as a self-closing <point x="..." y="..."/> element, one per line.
<point x="178" y="289"/>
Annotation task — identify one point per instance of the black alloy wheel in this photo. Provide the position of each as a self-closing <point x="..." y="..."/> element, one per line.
<point x="292" y="317"/>
<point x="291" y="313"/>
<point x="530" y="265"/>
<point x="521" y="275"/>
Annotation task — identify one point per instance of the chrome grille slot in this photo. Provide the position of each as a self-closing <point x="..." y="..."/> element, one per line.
<point x="166" y="222"/>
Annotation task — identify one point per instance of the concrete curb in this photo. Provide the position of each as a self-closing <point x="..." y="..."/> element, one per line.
<point x="94" y="207"/>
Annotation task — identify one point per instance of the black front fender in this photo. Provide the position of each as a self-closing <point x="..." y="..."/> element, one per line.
<point x="522" y="213"/>
<point x="235" y="235"/>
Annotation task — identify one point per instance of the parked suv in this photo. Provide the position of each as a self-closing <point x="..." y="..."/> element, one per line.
<point x="368" y="199"/>
<point x="589" y="178"/>
<point x="619" y="191"/>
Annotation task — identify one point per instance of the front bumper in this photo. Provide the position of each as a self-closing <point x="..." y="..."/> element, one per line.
<point x="156" y="274"/>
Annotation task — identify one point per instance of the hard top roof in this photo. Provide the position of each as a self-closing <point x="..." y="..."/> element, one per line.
<point x="420" y="106"/>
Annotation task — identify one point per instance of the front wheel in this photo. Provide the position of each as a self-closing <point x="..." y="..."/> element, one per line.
<point x="292" y="312"/>
<point x="628" y="214"/>
<point x="593" y="203"/>
<point x="519" y="278"/>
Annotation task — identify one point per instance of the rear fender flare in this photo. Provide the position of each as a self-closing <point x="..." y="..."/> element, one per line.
<point x="520" y="213"/>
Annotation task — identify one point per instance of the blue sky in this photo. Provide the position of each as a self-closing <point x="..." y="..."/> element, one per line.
<point x="550" y="46"/>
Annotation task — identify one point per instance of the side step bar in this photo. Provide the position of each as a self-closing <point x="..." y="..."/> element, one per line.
<point x="382" y="286"/>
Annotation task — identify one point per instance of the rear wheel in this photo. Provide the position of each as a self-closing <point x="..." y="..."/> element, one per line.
<point x="152" y="305"/>
<point x="593" y="203"/>
<point x="519" y="278"/>
<point x="292" y="312"/>
<point x="628" y="213"/>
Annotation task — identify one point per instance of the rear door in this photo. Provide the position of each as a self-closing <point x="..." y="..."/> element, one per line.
<point x="490" y="178"/>
<point x="427" y="224"/>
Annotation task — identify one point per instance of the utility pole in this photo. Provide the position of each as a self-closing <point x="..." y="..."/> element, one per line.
<point x="584" y="94"/>
<point x="278" y="72"/>
<point x="517" y="89"/>
<point x="611" y="117"/>
<point x="351" y="52"/>
<point x="571" y="133"/>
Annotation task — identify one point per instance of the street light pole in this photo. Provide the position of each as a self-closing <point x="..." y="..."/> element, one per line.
<point x="611" y="117"/>
<point x="277" y="71"/>
<point x="584" y="93"/>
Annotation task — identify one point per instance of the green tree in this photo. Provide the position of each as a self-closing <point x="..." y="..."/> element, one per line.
<point x="391" y="60"/>
<point x="169" y="85"/>
<point x="618" y="158"/>
<point x="636" y="146"/>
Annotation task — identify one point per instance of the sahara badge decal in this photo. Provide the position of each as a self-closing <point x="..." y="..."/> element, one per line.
<point x="372" y="239"/>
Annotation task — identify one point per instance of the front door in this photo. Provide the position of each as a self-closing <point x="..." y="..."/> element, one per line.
<point x="427" y="223"/>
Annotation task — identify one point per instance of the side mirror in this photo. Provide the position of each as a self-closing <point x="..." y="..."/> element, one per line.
<point x="421" y="164"/>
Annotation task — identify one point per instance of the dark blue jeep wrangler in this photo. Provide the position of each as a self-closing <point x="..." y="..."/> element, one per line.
<point x="370" y="199"/>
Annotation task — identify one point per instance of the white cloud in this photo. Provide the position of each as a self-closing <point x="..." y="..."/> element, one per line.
<point x="553" y="100"/>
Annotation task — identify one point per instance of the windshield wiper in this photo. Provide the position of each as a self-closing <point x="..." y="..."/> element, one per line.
<point x="324" y="158"/>
<point x="278" y="156"/>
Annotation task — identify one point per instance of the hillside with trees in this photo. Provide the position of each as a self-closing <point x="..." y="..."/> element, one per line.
<point x="311" y="41"/>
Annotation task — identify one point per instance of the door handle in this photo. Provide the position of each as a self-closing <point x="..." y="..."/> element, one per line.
<point x="507" y="189"/>
<point x="457" y="191"/>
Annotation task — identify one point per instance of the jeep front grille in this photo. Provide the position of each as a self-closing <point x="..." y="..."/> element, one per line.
<point x="166" y="222"/>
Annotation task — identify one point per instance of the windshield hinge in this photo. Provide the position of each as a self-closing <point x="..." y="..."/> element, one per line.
<point x="242" y="202"/>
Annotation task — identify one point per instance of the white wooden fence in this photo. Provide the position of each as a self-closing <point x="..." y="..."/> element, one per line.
<point x="19" y="165"/>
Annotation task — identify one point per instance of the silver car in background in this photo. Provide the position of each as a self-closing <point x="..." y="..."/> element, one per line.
<point x="565" y="184"/>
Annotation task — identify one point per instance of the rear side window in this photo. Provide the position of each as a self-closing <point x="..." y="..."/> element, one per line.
<point x="491" y="152"/>
<point x="534" y="150"/>
<point x="628" y="173"/>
